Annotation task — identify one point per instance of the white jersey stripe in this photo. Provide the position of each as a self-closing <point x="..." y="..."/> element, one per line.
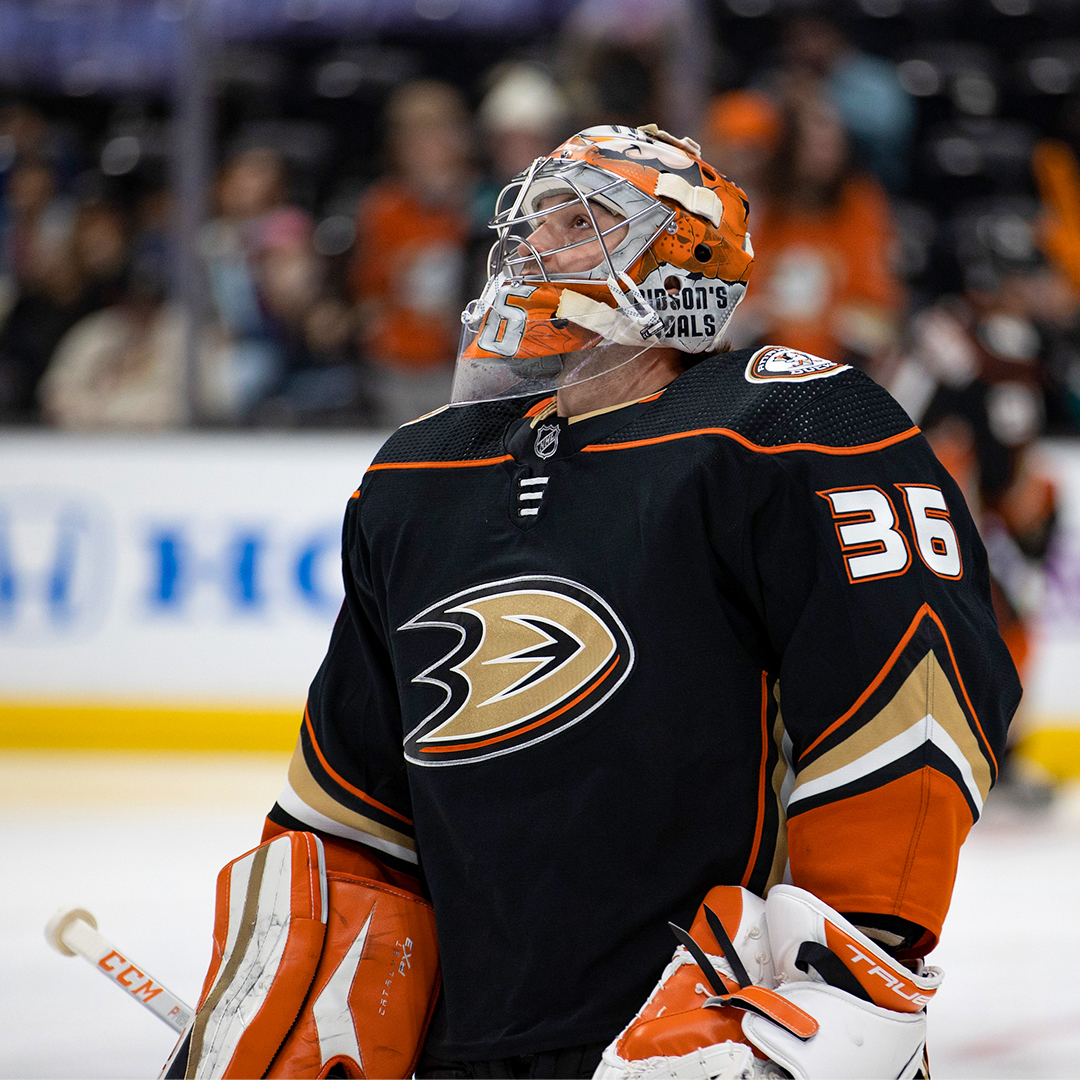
<point x="293" y="805"/>
<point x="925" y="730"/>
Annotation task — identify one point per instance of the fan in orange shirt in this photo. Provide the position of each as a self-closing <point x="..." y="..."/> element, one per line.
<point x="824" y="283"/>
<point x="409" y="268"/>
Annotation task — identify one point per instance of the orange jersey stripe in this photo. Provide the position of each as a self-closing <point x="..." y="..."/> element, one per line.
<point x="439" y="464"/>
<point x="338" y="779"/>
<point x="913" y="867"/>
<point x="909" y="633"/>
<point x="784" y="448"/>
<point x="539" y="407"/>
<point x="761" y="780"/>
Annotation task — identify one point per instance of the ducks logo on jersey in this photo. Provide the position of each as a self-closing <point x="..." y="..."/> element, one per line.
<point x="534" y="656"/>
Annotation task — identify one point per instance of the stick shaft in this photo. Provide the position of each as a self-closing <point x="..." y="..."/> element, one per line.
<point x="80" y="937"/>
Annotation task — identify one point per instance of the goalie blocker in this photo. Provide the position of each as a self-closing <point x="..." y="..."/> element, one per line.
<point x="775" y="988"/>
<point x="319" y="963"/>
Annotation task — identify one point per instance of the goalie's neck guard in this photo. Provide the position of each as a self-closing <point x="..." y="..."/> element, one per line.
<point x="672" y="259"/>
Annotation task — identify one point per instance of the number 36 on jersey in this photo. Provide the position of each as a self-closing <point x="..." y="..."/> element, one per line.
<point x="872" y="542"/>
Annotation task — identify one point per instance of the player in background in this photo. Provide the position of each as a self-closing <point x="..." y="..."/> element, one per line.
<point x="636" y="630"/>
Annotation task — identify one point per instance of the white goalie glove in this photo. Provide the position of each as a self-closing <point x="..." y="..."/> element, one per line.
<point x="776" y="988"/>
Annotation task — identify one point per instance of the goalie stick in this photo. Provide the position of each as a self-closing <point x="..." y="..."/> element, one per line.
<point x="73" y="931"/>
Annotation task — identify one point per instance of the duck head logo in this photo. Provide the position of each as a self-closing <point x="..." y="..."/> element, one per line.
<point x="534" y="656"/>
<point x="773" y="364"/>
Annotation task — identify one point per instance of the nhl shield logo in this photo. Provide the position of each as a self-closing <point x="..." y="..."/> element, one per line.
<point x="773" y="364"/>
<point x="534" y="656"/>
<point x="547" y="440"/>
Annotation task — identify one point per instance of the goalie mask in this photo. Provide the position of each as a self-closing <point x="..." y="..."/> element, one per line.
<point x="621" y="240"/>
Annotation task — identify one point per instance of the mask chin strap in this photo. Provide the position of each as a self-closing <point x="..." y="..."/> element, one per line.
<point x="625" y="324"/>
<point x="634" y="306"/>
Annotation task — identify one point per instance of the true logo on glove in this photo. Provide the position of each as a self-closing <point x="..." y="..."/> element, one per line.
<point x="536" y="654"/>
<point x="897" y="986"/>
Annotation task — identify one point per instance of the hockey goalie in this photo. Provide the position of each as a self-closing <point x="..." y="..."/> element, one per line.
<point x="637" y="631"/>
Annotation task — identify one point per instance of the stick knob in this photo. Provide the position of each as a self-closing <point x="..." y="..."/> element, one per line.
<point x="59" y="923"/>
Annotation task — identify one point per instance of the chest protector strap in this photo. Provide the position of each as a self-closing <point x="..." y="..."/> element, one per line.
<point x="311" y="969"/>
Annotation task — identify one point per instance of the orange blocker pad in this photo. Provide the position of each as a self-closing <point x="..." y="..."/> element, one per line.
<point x="374" y="991"/>
<point x="269" y="925"/>
<point x="312" y="968"/>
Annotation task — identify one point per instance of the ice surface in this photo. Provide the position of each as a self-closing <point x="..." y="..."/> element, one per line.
<point x="139" y="839"/>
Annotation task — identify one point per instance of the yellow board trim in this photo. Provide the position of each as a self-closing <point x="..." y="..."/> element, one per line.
<point x="1056" y="749"/>
<point x="151" y="726"/>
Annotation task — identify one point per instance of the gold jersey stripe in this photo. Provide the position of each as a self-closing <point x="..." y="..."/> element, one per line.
<point x="307" y="789"/>
<point x="925" y="692"/>
<point x="779" y="868"/>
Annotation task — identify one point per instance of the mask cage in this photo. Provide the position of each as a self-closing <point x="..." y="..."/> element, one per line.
<point x="644" y="216"/>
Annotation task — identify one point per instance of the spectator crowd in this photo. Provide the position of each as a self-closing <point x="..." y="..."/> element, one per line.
<point x="900" y="224"/>
<point x="952" y="280"/>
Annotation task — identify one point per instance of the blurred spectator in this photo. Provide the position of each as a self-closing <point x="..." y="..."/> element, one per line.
<point x="409" y="265"/>
<point x="822" y="279"/>
<point x="24" y="131"/>
<point x="325" y="389"/>
<point x="33" y="215"/>
<point x="99" y="242"/>
<point x="66" y="267"/>
<point x="637" y="61"/>
<point x="522" y="117"/>
<point x="1057" y="173"/>
<point x="312" y="330"/>
<point x="739" y="136"/>
<point x="877" y="112"/>
<point x="974" y="378"/>
<point x="123" y="367"/>
<point x="256" y="241"/>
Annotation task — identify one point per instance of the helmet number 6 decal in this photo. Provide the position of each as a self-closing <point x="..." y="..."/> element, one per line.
<point x="871" y="542"/>
<point x="504" y="326"/>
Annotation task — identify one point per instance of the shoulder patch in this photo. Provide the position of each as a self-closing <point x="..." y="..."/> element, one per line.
<point x="773" y="364"/>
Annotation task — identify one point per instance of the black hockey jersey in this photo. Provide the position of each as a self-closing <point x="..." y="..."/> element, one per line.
<point x="588" y="669"/>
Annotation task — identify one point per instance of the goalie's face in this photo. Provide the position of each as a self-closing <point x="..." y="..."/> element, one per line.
<point x="569" y="240"/>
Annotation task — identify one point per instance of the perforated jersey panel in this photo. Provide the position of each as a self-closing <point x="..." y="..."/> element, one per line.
<point x="861" y="414"/>
<point x="846" y="409"/>
<point x="463" y="433"/>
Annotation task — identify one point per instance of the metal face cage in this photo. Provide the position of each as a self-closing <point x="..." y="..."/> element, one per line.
<point x="516" y="218"/>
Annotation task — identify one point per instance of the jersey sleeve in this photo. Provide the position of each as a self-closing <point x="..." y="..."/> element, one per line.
<point x="347" y="775"/>
<point x="892" y="684"/>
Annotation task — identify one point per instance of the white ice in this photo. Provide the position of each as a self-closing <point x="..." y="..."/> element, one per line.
<point x="138" y="840"/>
